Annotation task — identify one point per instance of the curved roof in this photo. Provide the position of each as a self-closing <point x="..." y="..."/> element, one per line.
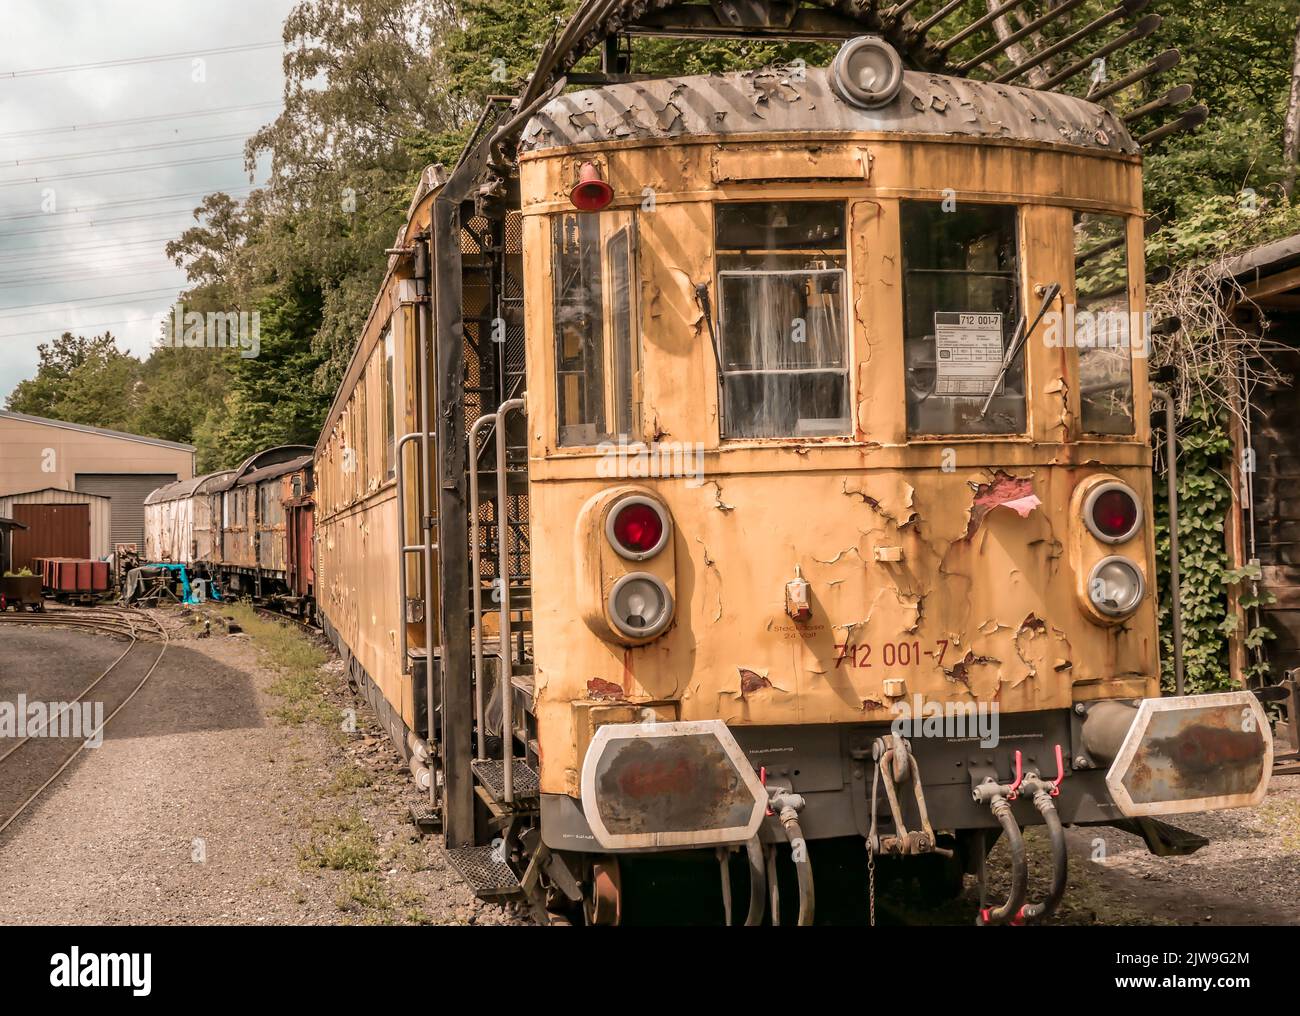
<point x="267" y="457"/>
<point x="774" y="101"/>
<point x="175" y="491"/>
<point x="272" y="471"/>
<point x="214" y="482"/>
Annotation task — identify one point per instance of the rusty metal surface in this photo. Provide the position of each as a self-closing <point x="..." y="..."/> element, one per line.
<point x="773" y="101"/>
<point x="664" y="784"/>
<point x="1193" y="753"/>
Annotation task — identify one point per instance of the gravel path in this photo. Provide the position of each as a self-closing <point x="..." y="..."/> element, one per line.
<point x="205" y="806"/>
<point x="201" y="807"/>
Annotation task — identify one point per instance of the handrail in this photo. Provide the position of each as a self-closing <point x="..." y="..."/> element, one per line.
<point x="503" y="551"/>
<point x="404" y="440"/>
<point x="476" y="584"/>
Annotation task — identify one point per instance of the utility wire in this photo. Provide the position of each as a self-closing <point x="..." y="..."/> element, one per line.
<point x="96" y="223"/>
<point x="26" y="253"/>
<point x="61" y="304"/>
<point x="60" y="329"/>
<point x="131" y="121"/>
<point x="65" y="278"/>
<point x="124" y="150"/>
<point x="128" y="61"/>
<point x="122" y="169"/>
<point x="82" y="209"/>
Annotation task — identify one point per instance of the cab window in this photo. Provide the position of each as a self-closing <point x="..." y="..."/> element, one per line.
<point x="781" y="318"/>
<point x="596" y="342"/>
<point x="962" y="307"/>
<point x="1103" y="323"/>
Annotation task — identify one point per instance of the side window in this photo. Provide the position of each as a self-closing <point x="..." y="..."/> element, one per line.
<point x="781" y="318"/>
<point x="961" y="315"/>
<point x="622" y="328"/>
<point x="390" y="408"/>
<point x="1103" y="332"/>
<point x="595" y="326"/>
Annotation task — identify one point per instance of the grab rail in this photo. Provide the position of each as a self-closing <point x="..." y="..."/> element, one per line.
<point x="476" y="584"/>
<point x="415" y="548"/>
<point x="503" y="551"/>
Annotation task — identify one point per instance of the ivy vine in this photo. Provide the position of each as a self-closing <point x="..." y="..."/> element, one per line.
<point x="1204" y="503"/>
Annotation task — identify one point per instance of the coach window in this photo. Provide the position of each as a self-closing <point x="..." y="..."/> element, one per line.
<point x="390" y="409"/>
<point x="1103" y="331"/>
<point x="781" y="318"/>
<point x="595" y="331"/>
<point x="961" y="315"/>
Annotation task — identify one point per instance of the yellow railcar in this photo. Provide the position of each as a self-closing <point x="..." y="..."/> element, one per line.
<point x="758" y="462"/>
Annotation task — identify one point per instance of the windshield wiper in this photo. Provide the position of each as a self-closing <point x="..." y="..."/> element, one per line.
<point x="1018" y="340"/>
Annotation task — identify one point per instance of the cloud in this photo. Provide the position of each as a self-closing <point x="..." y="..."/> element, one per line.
<point x="86" y="243"/>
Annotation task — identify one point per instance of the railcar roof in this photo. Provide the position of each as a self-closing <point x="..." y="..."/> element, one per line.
<point x="769" y="101"/>
<point x="175" y="491"/>
<point x="272" y="471"/>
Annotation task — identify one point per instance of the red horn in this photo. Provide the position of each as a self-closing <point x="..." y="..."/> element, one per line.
<point x="591" y="193"/>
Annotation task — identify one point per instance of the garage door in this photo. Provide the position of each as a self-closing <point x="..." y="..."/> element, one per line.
<point x="128" y="491"/>
<point x="53" y="530"/>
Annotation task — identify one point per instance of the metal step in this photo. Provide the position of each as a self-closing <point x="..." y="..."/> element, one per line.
<point x="491" y="773"/>
<point x="484" y="871"/>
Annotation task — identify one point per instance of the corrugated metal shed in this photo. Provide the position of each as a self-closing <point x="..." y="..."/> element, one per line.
<point x="128" y="491"/>
<point x="100" y="511"/>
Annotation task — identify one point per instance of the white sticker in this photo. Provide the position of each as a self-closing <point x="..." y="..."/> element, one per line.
<point x="968" y="352"/>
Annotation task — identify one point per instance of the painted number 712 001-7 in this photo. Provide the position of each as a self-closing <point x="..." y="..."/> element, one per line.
<point x="892" y="654"/>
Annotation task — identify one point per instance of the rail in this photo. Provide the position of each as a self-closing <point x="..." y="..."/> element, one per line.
<point x="414" y="548"/>
<point x="503" y="568"/>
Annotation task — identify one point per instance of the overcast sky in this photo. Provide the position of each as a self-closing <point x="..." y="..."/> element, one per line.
<point x="64" y="264"/>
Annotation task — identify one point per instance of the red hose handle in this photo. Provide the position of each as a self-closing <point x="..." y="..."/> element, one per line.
<point x="1014" y="792"/>
<point x="1060" y="774"/>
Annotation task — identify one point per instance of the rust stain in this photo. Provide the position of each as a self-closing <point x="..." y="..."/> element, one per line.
<point x="599" y="688"/>
<point x="752" y="681"/>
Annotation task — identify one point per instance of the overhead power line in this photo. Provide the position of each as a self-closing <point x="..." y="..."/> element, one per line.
<point x="128" y="61"/>
<point x="59" y="304"/>
<point x="28" y="253"/>
<point x="64" y="278"/>
<point x="83" y="209"/>
<point x="122" y="169"/>
<point x="96" y="223"/>
<point x="60" y="329"/>
<point x="133" y="120"/>
<point x="125" y="150"/>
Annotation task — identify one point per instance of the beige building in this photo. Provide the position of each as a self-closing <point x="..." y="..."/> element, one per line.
<point x="39" y="455"/>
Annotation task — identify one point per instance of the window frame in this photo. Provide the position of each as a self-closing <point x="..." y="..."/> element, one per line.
<point x="848" y="347"/>
<point x="1020" y="209"/>
<point x="1125" y="222"/>
<point x="610" y="223"/>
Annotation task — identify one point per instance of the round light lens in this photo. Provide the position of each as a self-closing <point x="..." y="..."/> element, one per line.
<point x="867" y="72"/>
<point x="1116" y="587"/>
<point x="640" y="605"/>
<point x="637" y="527"/>
<point x="1112" y="512"/>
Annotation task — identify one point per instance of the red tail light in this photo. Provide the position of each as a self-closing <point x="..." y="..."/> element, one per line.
<point x="591" y="193"/>
<point x="1112" y="512"/>
<point x="638" y="528"/>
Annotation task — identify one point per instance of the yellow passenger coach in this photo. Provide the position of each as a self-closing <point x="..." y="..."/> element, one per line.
<point x="756" y="463"/>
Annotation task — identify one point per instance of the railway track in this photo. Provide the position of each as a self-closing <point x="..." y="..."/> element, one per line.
<point x="44" y="749"/>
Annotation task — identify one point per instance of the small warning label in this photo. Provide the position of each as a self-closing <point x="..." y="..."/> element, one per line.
<point x="968" y="352"/>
